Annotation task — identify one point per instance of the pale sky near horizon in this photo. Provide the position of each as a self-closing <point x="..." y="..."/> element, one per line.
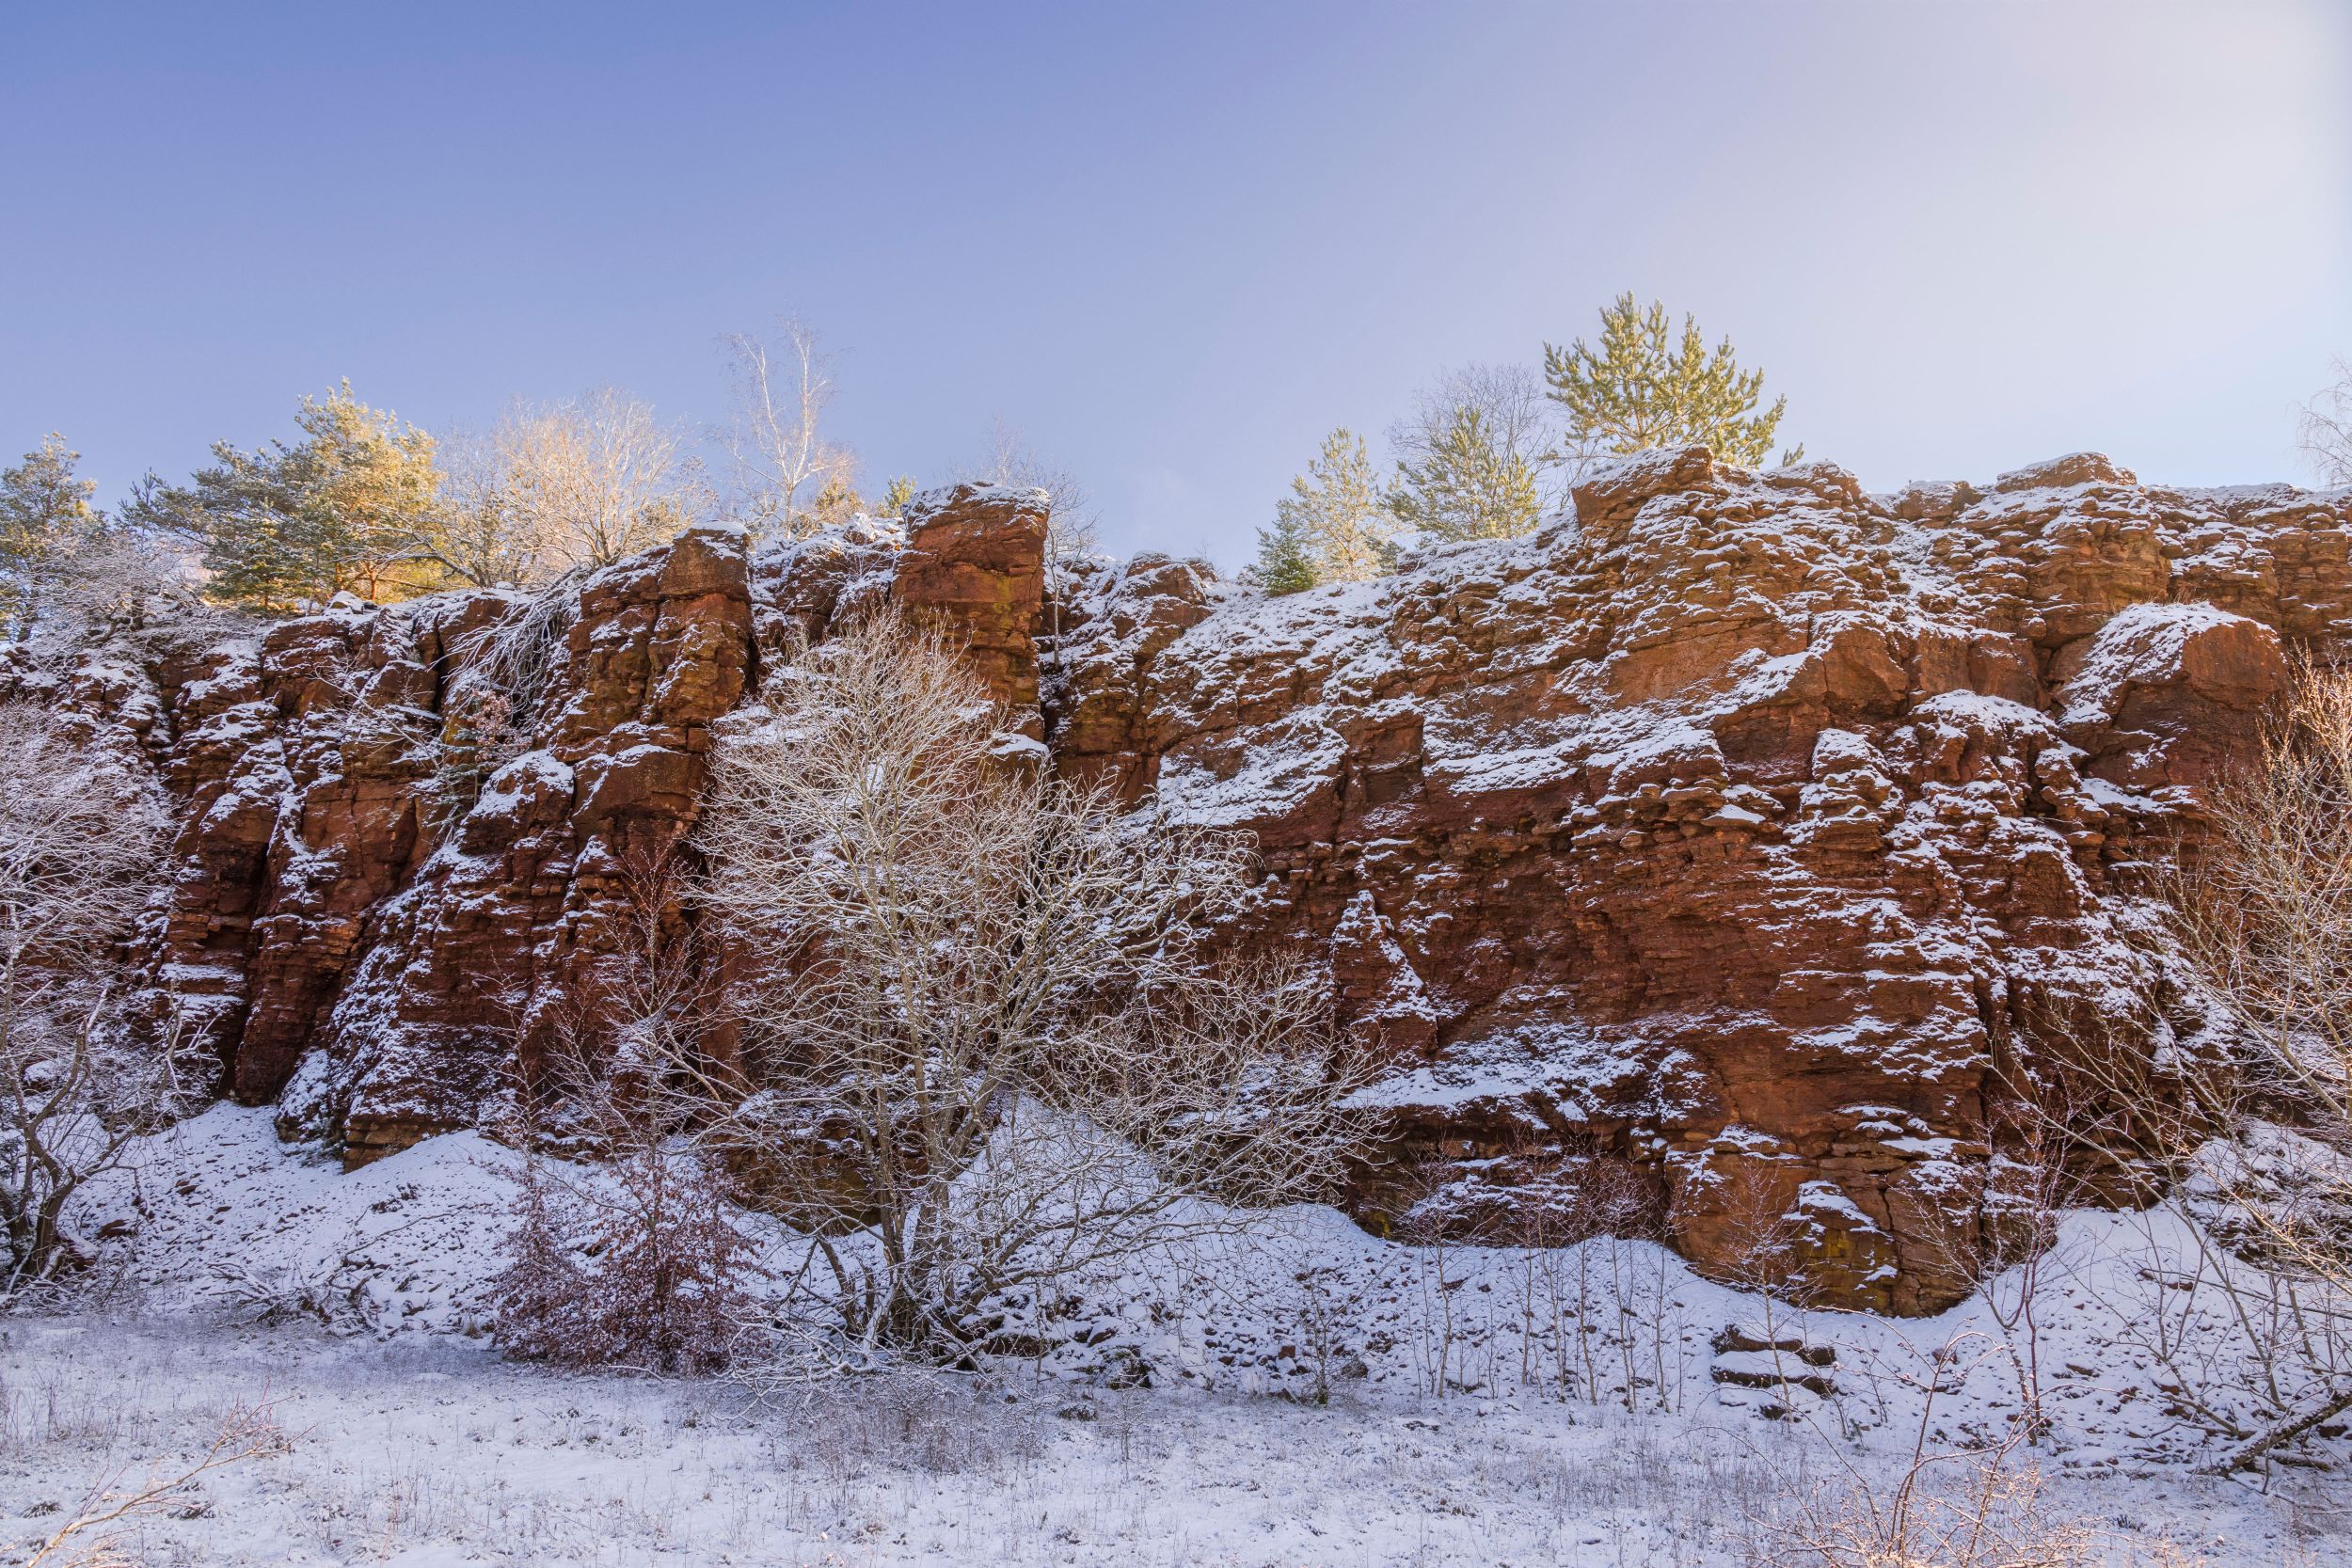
<point x="1172" y="246"/>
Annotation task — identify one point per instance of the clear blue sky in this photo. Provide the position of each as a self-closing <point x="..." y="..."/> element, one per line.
<point x="1172" y="244"/>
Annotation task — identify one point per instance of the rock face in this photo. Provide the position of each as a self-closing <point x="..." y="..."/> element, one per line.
<point x="1751" y="839"/>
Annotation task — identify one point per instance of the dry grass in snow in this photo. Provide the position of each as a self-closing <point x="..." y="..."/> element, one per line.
<point x="1449" y="1436"/>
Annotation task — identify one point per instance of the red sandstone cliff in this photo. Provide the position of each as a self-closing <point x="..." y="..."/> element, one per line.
<point x="1745" y="836"/>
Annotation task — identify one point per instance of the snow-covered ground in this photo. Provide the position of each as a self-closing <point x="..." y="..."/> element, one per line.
<point x="1461" y="1428"/>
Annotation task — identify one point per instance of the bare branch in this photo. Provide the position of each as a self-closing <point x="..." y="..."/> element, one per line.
<point x="2325" y="433"/>
<point x="784" y="465"/>
<point x="986" y="1046"/>
<point x="78" y="852"/>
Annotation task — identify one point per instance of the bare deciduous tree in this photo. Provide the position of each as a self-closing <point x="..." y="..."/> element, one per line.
<point x="1509" y="398"/>
<point x="2007" y="1256"/>
<point x="628" y="1248"/>
<point x="2239" y="1120"/>
<point x="1069" y="507"/>
<point x="1473" y="459"/>
<point x="78" y="853"/>
<point x="986" y="1045"/>
<point x="482" y="536"/>
<point x="2327" y="429"/>
<point x="2264" y="914"/>
<point x="785" y="467"/>
<point x="564" y="485"/>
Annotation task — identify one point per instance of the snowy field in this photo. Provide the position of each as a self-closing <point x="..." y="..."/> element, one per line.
<point x="1457" y="1430"/>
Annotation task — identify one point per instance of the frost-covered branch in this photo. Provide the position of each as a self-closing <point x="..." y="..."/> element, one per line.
<point x="78" y="853"/>
<point x="985" y="1043"/>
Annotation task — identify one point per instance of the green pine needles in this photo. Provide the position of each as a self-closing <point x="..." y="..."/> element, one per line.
<point x="1335" y="526"/>
<point x="1470" y="484"/>
<point x="45" y="516"/>
<point x="286" y="527"/>
<point x="1646" y="388"/>
<point x="1490" y="451"/>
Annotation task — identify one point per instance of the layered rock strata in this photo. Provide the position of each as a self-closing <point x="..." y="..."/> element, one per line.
<point x="1749" y="840"/>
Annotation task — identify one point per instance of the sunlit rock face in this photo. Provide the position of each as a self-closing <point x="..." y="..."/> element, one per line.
<point x="371" y="935"/>
<point x="1748" y="840"/>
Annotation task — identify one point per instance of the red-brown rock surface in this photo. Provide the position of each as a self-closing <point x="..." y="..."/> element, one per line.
<point x="1740" y="836"/>
<point x="1746" y="835"/>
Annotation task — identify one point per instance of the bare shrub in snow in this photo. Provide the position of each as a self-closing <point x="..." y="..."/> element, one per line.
<point x="985" y="1045"/>
<point x="1431" y="1227"/>
<point x="498" y="683"/>
<point x="2264" y="916"/>
<point x="93" y="1536"/>
<point x="1768" y="1265"/>
<point x="2248" y="1359"/>
<point x="630" y="1253"/>
<point x="2008" y="1258"/>
<point x="1945" y="1511"/>
<point x="1589" y="1310"/>
<point x="1977" y="1507"/>
<point x="635" y="1263"/>
<point x="78" y="852"/>
<point x="908" y="1418"/>
<point x="1578" y="1298"/>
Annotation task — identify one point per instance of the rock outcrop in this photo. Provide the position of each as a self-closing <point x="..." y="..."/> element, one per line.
<point x="1750" y="838"/>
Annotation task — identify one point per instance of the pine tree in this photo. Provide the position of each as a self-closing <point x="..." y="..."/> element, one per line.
<point x="895" y="496"/>
<point x="1644" y="389"/>
<point x="1337" y="515"/>
<point x="354" y="505"/>
<point x="837" y="502"/>
<point x="1469" y="484"/>
<point x="1282" y="566"/>
<point x="45" y="516"/>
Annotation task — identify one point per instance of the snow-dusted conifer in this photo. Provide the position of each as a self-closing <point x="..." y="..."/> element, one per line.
<point x="1337" y="514"/>
<point x="1644" y="388"/>
<point x="1283" y="565"/>
<point x="45" y="521"/>
<point x="1469" y="484"/>
<point x="352" y="505"/>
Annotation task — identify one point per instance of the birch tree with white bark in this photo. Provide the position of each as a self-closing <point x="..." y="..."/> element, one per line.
<point x="786" y="472"/>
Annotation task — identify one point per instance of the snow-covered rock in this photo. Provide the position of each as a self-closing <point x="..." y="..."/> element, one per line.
<point x="1718" y="839"/>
